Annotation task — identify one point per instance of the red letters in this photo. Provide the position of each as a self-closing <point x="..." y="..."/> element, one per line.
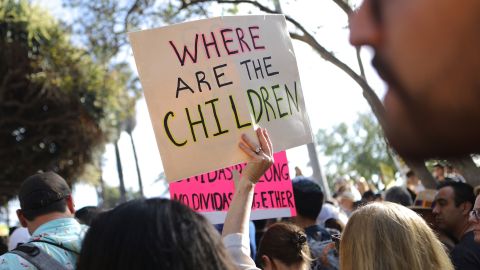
<point x="234" y="41"/>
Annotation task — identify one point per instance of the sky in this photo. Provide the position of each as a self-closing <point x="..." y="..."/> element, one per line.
<point x="331" y="97"/>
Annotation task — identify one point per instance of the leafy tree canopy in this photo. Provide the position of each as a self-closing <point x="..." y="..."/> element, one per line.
<point x="58" y="106"/>
<point x="356" y="150"/>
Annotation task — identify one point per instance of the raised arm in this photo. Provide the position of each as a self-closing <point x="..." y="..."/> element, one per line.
<point x="235" y="234"/>
<point x="261" y="158"/>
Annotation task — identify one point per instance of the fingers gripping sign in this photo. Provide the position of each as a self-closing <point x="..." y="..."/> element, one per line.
<point x="260" y="156"/>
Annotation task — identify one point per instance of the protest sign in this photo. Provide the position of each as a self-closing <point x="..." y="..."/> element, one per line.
<point x="207" y="82"/>
<point x="211" y="193"/>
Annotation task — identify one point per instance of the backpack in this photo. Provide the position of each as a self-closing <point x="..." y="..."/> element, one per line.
<point x="38" y="257"/>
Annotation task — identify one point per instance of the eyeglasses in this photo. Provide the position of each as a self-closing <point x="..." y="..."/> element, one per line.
<point x="475" y="213"/>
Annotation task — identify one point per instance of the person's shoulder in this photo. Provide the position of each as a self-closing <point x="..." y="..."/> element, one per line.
<point x="466" y="254"/>
<point x="468" y="243"/>
<point x="10" y="261"/>
<point x="61" y="231"/>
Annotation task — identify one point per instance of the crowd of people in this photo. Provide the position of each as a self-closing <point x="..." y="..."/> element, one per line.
<point x="427" y="53"/>
<point x="379" y="232"/>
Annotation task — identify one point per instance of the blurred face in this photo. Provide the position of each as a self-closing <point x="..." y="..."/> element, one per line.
<point x="447" y="215"/>
<point x="346" y="204"/>
<point x="476" y="222"/>
<point x="412" y="180"/>
<point x="427" y="52"/>
<point x="438" y="173"/>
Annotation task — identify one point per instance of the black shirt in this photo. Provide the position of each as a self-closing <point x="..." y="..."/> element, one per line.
<point x="466" y="254"/>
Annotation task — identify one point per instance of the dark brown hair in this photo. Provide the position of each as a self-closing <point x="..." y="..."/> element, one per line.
<point x="153" y="234"/>
<point x="285" y="242"/>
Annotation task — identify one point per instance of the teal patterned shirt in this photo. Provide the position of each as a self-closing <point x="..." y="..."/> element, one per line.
<point x="66" y="232"/>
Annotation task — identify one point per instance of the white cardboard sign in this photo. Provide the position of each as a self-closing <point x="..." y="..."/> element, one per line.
<point x="206" y="82"/>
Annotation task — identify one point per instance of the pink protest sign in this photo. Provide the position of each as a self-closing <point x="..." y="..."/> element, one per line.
<point x="211" y="193"/>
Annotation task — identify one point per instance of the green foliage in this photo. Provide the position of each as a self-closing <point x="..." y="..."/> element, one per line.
<point x="57" y="105"/>
<point x="233" y="10"/>
<point x="102" y="26"/>
<point x="356" y="150"/>
<point x="112" y="196"/>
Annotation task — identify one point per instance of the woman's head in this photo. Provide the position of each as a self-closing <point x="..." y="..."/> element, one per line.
<point x="390" y="236"/>
<point x="152" y="234"/>
<point x="284" y="246"/>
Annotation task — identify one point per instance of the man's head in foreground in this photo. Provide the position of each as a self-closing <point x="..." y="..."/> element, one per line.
<point x="44" y="197"/>
<point x="427" y="52"/>
<point x="453" y="203"/>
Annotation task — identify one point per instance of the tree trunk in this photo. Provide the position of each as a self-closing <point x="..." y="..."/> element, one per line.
<point x="101" y="192"/>
<point x="123" y="197"/>
<point x="419" y="168"/>
<point x="467" y="168"/>
<point x="140" y="185"/>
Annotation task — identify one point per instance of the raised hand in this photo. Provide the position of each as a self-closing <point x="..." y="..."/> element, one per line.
<point x="261" y="156"/>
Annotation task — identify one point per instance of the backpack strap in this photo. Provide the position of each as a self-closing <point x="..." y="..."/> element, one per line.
<point x="38" y="257"/>
<point x="55" y="244"/>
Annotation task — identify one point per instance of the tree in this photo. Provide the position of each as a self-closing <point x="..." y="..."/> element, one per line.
<point x="130" y="124"/>
<point x="112" y="196"/>
<point x="356" y="151"/>
<point x="57" y="106"/>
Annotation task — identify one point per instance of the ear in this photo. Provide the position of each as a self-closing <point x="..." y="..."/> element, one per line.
<point x="70" y="204"/>
<point x="21" y="218"/>
<point x="266" y="262"/>
<point x="467" y="206"/>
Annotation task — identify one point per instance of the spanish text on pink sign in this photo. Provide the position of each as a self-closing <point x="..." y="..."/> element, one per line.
<point x="211" y="193"/>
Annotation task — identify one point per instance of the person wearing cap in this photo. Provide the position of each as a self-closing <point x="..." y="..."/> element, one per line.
<point x="46" y="210"/>
<point x="331" y="212"/>
<point x="347" y="202"/>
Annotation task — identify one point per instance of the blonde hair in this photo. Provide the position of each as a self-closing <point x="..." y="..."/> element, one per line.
<point x="390" y="236"/>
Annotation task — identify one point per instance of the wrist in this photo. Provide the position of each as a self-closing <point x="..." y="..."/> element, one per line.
<point x="246" y="184"/>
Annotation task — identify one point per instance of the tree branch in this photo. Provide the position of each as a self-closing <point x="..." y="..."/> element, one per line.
<point x="360" y="64"/>
<point x="368" y="93"/>
<point x="135" y="6"/>
<point x="467" y="168"/>
<point x="344" y="6"/>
